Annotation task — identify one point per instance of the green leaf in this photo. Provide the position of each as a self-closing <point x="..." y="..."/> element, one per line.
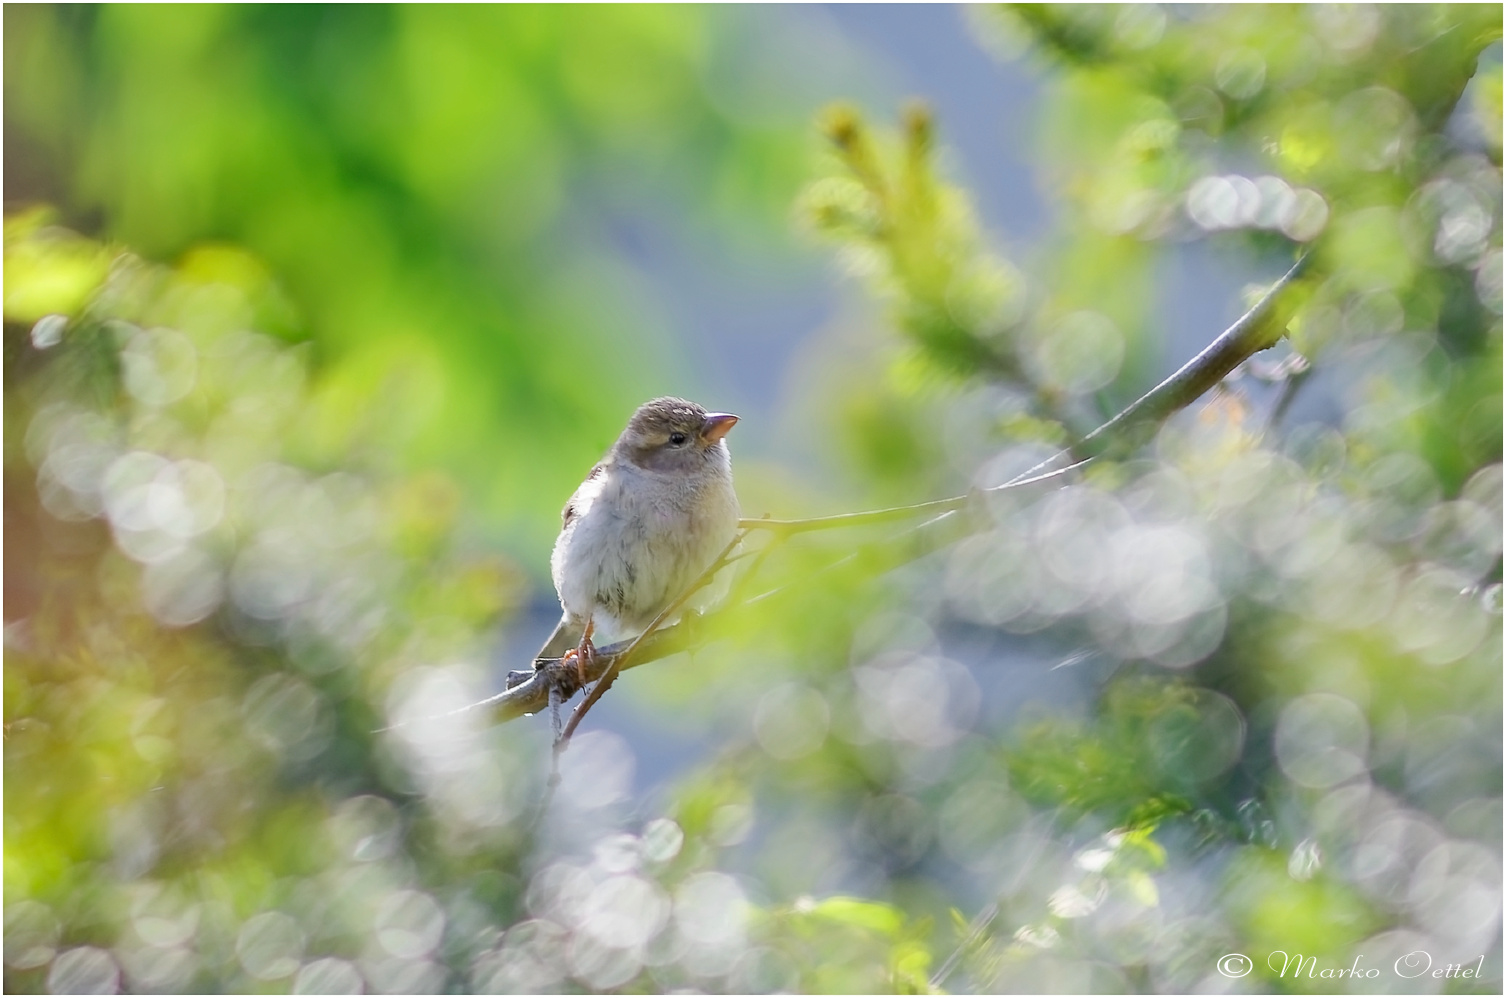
<point x="872" y="915"/>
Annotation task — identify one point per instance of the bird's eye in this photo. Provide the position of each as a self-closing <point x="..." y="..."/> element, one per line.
<point x="677" y="439"/>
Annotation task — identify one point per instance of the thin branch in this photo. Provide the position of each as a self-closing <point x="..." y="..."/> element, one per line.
<point x="624" y="659"/>
<point x="619" y="661"/>
<point x="895" y="512"/>
<point x="1262" y="326"/>
<point x="528" y="690"/>
<point x="923" y="538"/>
<point x="1254" y="331"/>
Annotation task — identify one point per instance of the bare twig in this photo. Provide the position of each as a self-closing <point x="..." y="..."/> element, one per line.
<point x="1254" y="331"/>
<point x="624" y="659"/>
<point x="1259" y="328"/>
<point x="528" y="690"/>
<point x="897" y="512"/>
<point x="618" y="661"/>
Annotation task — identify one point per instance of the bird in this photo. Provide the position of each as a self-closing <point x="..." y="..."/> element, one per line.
<point x="650" y="517"/>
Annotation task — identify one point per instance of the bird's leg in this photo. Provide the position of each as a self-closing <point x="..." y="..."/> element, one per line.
<point x="585" y="654"/>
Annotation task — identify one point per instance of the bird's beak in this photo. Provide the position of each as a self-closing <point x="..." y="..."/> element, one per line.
<point x="716" y="426"/>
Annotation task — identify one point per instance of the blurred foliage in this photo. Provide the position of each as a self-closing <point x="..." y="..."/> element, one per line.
<point x="443" y="194"/>
<point x="1237" y="694"/>
<point x="1262" y="595"/>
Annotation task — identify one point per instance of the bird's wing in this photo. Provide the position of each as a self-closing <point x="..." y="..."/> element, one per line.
<point x="584" y="496"/>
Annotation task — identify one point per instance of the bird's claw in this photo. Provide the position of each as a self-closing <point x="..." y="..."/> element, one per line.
<point x="583" y="657"/>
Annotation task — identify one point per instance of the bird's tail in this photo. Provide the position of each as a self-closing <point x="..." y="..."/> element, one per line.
<point x="566" y="636"/>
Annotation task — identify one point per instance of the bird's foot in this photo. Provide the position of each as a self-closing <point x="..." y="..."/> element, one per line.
<point x="584" y="657"/>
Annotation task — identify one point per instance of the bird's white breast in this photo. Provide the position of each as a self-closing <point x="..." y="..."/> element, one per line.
<point x="637" y="539"/>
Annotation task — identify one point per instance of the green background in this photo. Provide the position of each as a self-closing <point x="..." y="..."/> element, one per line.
<point x="316" y="315"/>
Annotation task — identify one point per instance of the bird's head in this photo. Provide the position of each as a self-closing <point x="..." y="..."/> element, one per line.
<point x="673" y="434"/>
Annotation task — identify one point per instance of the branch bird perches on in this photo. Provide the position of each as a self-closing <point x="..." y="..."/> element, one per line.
<point x="1261" y="327"/>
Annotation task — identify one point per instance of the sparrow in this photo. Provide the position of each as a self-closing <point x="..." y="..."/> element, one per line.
<point x="648" y="519"/>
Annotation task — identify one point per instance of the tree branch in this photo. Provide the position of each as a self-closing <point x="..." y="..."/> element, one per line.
<point x="624" y="659"/>
<point x="1254" y="331"/>
<point x="529" y="690"/>
<point x="787" y="527"/>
